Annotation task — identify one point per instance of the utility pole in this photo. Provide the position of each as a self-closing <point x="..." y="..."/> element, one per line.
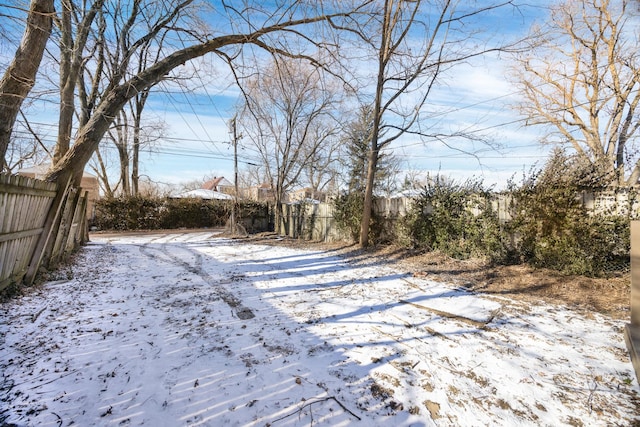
<point x="234" y="208"/>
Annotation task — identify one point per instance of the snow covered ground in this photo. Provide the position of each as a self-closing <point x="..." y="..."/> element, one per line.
<point x="188" y="329"/>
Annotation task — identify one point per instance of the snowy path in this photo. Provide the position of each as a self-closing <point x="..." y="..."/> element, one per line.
<point x="189" y="329"/>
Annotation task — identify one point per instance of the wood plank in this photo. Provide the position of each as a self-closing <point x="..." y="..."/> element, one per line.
<point x="20" y="189"/>
<point x="448" y="315"/>
<point x="19" y="234"/>
<point x="26" y="247"/>
<point x="20" y="212"/>
<point x="9" y="260"/>
<point x="635" y="274"/>
<point x="15" y="278"/>
<point x="4" y="254"/>
<point x="5" y="226"/>
<point x="4" y="209"/>
<point x="65" y="225"/>
<point x="632" y="339"/>
<point x="45" y="238"/>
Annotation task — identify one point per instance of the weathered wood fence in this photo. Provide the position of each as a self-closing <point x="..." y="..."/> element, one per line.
<point x="40" y="225"/>
<point x="310" y="221"/>
<point x="314" y="221"/>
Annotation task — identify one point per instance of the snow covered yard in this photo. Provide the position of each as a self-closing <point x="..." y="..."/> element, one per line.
<point x="190" y="329"/>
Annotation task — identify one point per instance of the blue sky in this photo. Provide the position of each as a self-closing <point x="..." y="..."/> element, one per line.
<point x="476" y="96"/>
<point x="480" y="95"/>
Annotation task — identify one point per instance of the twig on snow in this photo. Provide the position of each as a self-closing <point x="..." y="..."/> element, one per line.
<point x="59" y="419"/>
<point x="49" y="382"/>
<point x="35" y="316"/>
<point x="591" y="393"/>
<point x="308" y="404"/>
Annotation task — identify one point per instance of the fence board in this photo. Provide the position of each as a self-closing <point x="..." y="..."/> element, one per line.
<point x="19" y="234"/>
<point x="46" y="240"/>
<point x="65" y="225"/>
<point x="77" y="233"/>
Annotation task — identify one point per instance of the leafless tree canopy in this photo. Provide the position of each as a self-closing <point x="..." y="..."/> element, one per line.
<point x="289" y="117"/>
<point x="99" y="33"/>
<point x="581" y="79"/>
<point x="413" y="45"/>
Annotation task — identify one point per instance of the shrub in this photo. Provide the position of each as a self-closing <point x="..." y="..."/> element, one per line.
<point x="458" y="220"/>
<point x="128" y="213"/>
<point x="347" y="213"/>
<point x="194" y="213"/>
<point x="554" y="230"/>
<point x="149" y="213"/>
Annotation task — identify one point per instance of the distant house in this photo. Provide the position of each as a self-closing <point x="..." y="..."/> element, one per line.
<point x="261" y="193"/>
<point x="204" y="194"/>
<point x="218" y="188"/>
<point x="219" y="184"/>
<point x="306" y="194"/>
<point x="89" y="184"/>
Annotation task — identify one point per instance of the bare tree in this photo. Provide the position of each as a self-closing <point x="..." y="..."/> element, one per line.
<point x="415" y="43"/>
<point x="72" y="62"/>
<point x="99" y="167"/>
<point x="267" y="34"/>
<point x="24" y="150"/>
<point x="288" y="116"/>
<point x="323" y="167"/>
<point x="130" y="134"/>
<point x="582" y="80"/>
<point x="20" y="75"/>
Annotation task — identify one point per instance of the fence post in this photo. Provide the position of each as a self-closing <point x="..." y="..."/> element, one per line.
<point x="632" y="331"/>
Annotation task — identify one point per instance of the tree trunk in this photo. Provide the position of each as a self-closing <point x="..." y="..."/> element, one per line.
<point x="71" y="63"/>
<point x="123" y="155"/>
<point x="103" y="176"/>
<point x="20" y="76"/>
<point x="374" y="149"/>
<point x="67" y="84"/>
<point x="135" y="174"/>
<point x="367" y="208"/>
<point x="279" y="216"/>
<point x="140" y="102"/>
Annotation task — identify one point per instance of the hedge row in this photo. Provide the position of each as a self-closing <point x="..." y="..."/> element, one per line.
<point x="549" y="229"/>
<point x="150" y="213"/>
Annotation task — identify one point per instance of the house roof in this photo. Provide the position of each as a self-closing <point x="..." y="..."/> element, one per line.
<point x="218" y="181"/>
<point x="204" y="194"/>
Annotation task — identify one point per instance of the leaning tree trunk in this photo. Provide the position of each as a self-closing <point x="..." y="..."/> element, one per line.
<point x="20" y="76"/>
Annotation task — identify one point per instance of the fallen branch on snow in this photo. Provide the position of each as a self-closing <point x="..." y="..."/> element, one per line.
<point x="35" y="316"/>
<point x="308" y="404"/>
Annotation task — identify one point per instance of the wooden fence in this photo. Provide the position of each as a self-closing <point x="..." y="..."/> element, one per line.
<point x="314" y="221"/>
<point x="39" y="226"/>
<point x="310" y="221"/>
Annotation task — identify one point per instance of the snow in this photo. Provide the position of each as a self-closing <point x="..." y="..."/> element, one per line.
<point x="204" y="194"/>
<point x="190" y="329"/>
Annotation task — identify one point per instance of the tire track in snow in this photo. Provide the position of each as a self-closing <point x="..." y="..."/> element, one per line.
<point x="194" y="266"/>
